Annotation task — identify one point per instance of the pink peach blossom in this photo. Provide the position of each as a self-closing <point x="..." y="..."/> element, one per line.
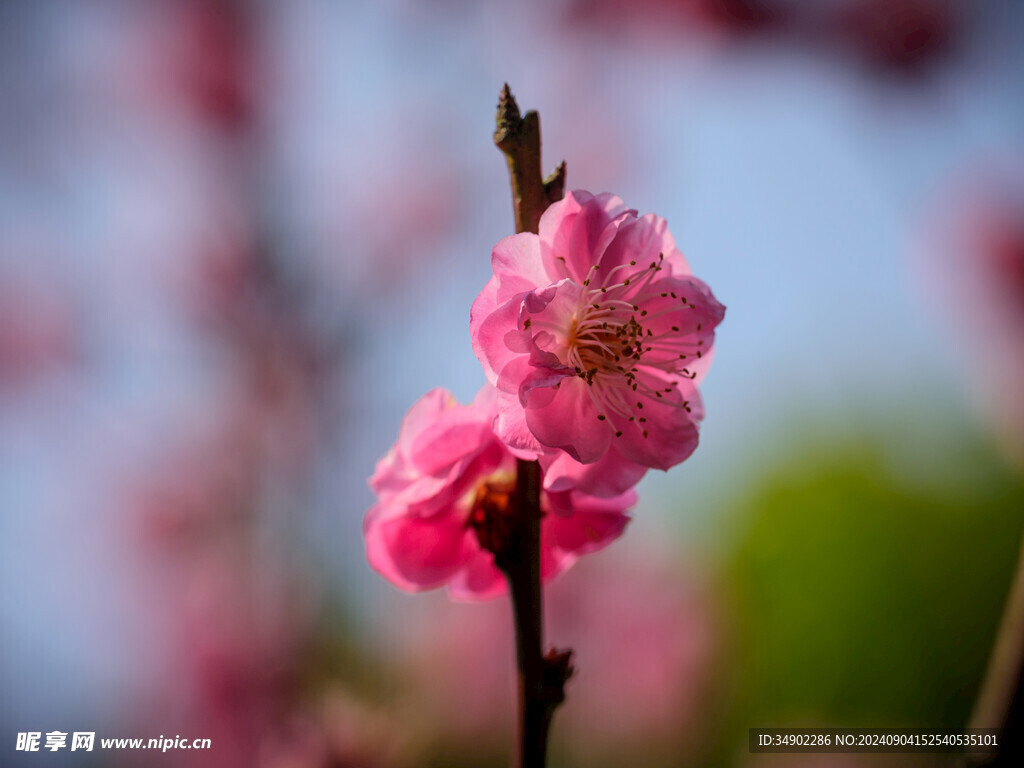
<point x="595" y="334"/>
<point x="647" y="641"/>
<point x="972" y="247"/>
<point x="446" y="471"/>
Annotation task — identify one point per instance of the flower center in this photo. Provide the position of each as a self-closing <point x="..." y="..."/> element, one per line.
<point x="622" y="341"/>
<point x="489" y="516"/>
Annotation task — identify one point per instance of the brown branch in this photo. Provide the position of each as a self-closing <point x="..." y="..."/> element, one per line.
<point x="541" y="678"/>
<point x="1000" y="702"/>
<point x="518" y="136"/>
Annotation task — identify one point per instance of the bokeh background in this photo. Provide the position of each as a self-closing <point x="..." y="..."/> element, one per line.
<point x="239" y="239"/>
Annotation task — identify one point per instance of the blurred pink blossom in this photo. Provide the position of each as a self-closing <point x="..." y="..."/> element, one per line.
<point x="192" y="60"/>
<point x="336" y="730"/>
<point x="645" y="638"/>
<point x="447" y="476"/>
<point x="645" y="642"/>
<point x="234" y="612"/>
<point x="895" y="35"/>
<point x="37" y="330"/>
<point x="975" y="263"/>
<point x="723" y="17"/>
<point x="595" y="334"/>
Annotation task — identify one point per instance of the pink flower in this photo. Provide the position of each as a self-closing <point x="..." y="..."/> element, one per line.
<point x="595" y="334"/>
<point x="444" y="475"/>
<point x="973" y="249"/>
<point x="647" y="639"/>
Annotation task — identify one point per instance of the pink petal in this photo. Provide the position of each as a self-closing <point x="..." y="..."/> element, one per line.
<point x="684" y="321"/>
<point x="390" y="475"/>
<point x="415" y="553"/>
<point x="517" y="265"/>
<point x="583" y="532"/>
<point x="540" y="386"/>
<point x="424" y="412"/>
<point x="429" y="495"/>
<point x="489" y="322"/>
<point x="511" y="428"/>
<point x="609" y="476"/>
<point x="577" y="232"/>
<point x="671" y="432"/>
<point x="480" y="579"/>
<point x="553" y="560"/>
<point x="395" y="470"/>
<point x="641" y="240"/>
<point x="566" y="236"/>
<point x="552" y="309"/>
<point x="457" y="434"/>
<point x="566" y="504"/>
<point x="569" y="421"/>
<point x="486" y="399"/>
<point x="591" y="233"/>
<point x="554" y="230"/>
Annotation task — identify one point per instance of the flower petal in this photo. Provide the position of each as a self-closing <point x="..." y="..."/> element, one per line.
<point x="517" y="265"/>
<point x="569" y="421"/>
<point x="479" y="580"/>
<point x="669" y="433"/>
<point x="511" y="428"/>
<point x="642" y="240"/>
<point x="489" y="323"/>
<point x="415" y="553"/>
<point x="609" y="476"/>
<point x="583" y="532"/>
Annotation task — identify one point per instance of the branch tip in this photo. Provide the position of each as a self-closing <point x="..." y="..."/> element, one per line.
<point x="554" y="185"/>
<point x="557" y="670"/>
<point x="508" y="120"/>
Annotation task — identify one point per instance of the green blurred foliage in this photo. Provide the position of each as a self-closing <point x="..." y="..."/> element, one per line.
<point x="865" y="587"/>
